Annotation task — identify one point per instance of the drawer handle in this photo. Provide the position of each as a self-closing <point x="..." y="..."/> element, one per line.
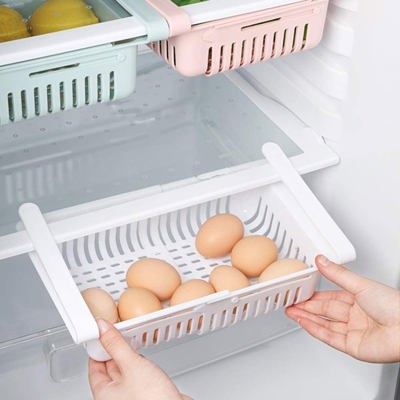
<point x="310" y="204"/>
<point x="54" y="273"/>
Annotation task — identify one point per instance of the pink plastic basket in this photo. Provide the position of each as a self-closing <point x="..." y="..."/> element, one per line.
<point x="230" y="43"/>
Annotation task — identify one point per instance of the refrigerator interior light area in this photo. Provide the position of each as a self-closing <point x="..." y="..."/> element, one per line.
<point x="332" y="111"/>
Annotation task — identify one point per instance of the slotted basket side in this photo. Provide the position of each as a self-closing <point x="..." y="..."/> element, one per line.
<point x="102" y="259"/>
<point x="220" y="313"/>
<point x="67" y="81"/>
<point x="225" y="45"/>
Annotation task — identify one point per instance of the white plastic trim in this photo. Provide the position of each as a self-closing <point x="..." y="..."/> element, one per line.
<point x="338" y="36"/>
<point x="55" y="275"/>
<point x="64" y="41"/>
<point x="103" y="216"/>
<point x="313" y="208"/>
<point x="351" y="5"/>
<point x="212" y="10"/>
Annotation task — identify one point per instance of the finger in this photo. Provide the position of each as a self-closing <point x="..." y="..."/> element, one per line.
<point x="113" y="370"/>
<point x="98" y="376"/>
<point x="336" y="310"/>
<point x="339" y="295"/>
<point x="184" y="397"/>
<point x="343" y="277"/>
<point x="333" y="339"/>
<point x="116" y="346"/>
<point x="298" y="314"/>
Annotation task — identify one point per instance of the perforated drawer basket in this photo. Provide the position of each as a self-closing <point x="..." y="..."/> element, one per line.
<point x="96" y="248"/>
<point x="84" y="76"/>
<point x="229" y="43"/>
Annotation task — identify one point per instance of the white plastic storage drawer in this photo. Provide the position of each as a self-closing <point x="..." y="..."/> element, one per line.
<point x="43" y="74"/>
<point x="96" y="248"/>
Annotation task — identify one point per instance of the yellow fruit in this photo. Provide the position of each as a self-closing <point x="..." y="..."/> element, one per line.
<point x="12" y="25"/>
<point x="58" y="15"/>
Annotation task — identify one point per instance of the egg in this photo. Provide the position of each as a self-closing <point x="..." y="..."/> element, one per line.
<point x="281" y="268"/>
<point x="225" y="277"/>
<point x="191" y="290"/>
<point x="155" y="275"/>
<point x="253" y="254"/>
<point x="100" y="304"/>
<point x="218" y="235"/>
<point x="135" y="302"/>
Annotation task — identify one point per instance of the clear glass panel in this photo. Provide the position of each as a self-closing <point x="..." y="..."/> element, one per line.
<point x="170" y="129"/>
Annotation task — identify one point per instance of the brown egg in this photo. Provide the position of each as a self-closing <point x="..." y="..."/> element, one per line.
<point x="226" y="277"/>
<point x="280" y="268"/>
<point x="218" y="235"/>
<point x="155" y="275"/>
<point x="253" y="254"/>
<point x="100" y="304"/>
<point x="191" y="290"/>
<point x="135" y="302"/>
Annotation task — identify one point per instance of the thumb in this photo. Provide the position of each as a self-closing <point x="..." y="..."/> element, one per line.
<point x="341" y="276"/>
<point x="116" y="346"/>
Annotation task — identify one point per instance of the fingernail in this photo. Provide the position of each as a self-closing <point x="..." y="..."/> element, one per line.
<point x="323" y="261"/>
<point x="103" y="326"/>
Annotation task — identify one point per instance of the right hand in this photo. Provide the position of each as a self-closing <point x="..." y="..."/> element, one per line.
<point x="363" y="320"/>
<point x="128" y="376"/>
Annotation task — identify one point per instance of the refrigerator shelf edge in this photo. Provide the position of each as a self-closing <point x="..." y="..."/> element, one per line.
<point x="30" y="174"/>
<point x="211" y="10"/>
<point x="35" y="47"/>
<point x="68" y="224"/>
<point x="115" y="26"/>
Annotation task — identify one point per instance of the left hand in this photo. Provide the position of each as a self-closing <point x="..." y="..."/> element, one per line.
<point x="128" y="376"/>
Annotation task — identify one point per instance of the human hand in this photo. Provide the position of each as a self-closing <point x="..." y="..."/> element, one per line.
<point x="363" y="320"/>
<point x="128" y="376"/>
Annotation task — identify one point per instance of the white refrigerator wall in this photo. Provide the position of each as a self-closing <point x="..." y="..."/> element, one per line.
<point x="362" y="192"/>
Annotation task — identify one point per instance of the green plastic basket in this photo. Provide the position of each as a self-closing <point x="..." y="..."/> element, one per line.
<point x="77" y="78"/>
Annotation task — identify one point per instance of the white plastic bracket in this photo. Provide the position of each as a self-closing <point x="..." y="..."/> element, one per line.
<point x="55" y="274"/>
<point x="310" y="204"/>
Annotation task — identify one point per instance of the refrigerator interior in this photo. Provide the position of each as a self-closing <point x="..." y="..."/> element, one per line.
<point x="75" y="160"/>
<point x="70" y="158"/>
